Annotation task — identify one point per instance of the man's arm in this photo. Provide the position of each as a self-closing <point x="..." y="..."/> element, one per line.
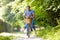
<point x="24" y="16"/>
<point x="32" y="14"/>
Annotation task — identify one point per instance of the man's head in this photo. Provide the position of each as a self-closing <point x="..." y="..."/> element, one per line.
<point x="28" y="7"/>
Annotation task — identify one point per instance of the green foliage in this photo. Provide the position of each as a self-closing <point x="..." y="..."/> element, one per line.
<point x="45" y="11"/>
<point x="5" y="2"/>
<point x="12" y="13"/>
<point x="50" y="33"/>
<point x="1" y="25"/>
<point x="6" y="38"/>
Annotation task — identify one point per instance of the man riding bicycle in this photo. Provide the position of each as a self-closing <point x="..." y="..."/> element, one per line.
<point x="29" y="13"/>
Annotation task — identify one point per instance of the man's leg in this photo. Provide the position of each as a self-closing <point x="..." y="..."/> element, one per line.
<point x="33" y="27"/>
<point x="33" y="24"/>
<point x="25" y="26"/>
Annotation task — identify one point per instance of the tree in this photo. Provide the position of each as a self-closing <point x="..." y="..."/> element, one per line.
<point x="45" y="11"/>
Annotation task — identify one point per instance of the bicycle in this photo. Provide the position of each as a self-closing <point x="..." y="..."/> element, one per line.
<point x="28" y="21"/>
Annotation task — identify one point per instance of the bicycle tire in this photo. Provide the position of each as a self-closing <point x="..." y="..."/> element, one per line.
<point x="28" y="30"/>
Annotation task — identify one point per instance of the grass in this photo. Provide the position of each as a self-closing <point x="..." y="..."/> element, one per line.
<point x="6" y="37"/>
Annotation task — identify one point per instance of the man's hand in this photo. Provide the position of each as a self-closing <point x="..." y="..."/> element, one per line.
<point x="26" y="16"/>
<point x="31" y="17"/>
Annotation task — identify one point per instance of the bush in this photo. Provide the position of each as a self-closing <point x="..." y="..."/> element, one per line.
<point x="50" y="33"/>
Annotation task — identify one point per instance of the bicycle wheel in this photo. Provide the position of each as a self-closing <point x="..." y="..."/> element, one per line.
<point x="28" y="30"/>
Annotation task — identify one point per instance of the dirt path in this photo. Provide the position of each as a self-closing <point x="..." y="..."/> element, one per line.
<point x="24" y="37"/>
<point x="20" y="36"/>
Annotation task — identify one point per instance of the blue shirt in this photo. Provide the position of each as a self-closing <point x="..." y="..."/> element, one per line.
<point x="28" y="13"/>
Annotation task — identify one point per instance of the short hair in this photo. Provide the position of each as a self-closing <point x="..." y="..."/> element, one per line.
<point x="28" y="6"/>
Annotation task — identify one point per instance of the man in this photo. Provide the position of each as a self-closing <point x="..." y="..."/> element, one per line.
<point x="29" y="13"/>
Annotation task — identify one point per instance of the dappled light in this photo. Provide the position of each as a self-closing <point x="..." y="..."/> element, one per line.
<point x="46" y="15"/>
